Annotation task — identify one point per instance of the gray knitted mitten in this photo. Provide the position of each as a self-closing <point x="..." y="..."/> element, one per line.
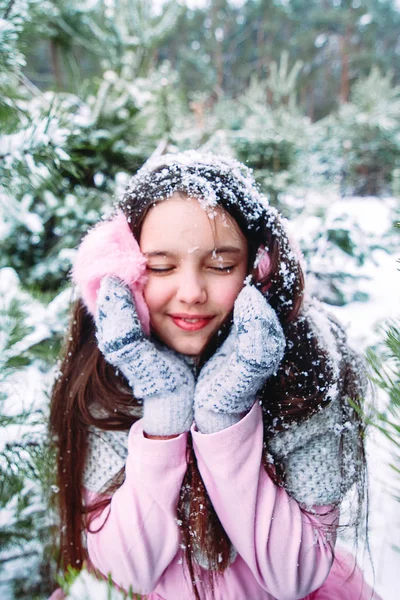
<point x="156" y="374"/>
<point x="228" y="382"/>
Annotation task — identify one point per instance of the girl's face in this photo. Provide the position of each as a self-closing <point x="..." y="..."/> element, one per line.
<point x="197" y="262"/>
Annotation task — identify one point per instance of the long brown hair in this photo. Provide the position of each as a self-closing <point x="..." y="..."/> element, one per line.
<point x="293" y="394"/>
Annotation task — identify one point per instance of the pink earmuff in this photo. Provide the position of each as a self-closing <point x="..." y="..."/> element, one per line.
<point x="110" y="250"/>
<point x="263" y="264"/>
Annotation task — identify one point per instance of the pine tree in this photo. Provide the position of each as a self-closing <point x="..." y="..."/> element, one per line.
<point x="26" y="467"/>
<point x="384" y="362"/>
<point x="265" y="129"/>
<point x="361" y="144"/>
<point x="83" y="585"/>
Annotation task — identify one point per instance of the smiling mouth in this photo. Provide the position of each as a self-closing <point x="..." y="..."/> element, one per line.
<point x="191" y="323"/>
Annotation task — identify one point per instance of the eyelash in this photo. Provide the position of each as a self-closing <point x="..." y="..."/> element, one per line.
<point x="160" y="270"/>
<point x="223" y="269"/>
<point x="169" y="269"/>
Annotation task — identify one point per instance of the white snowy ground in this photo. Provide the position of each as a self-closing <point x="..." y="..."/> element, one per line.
<point x="361" y="321"/>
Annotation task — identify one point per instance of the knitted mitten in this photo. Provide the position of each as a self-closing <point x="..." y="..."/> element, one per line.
<point x="228" y="382"/>
<point x="156" y="374"/>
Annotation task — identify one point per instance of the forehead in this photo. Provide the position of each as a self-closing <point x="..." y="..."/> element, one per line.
<point x="181" y="220"/>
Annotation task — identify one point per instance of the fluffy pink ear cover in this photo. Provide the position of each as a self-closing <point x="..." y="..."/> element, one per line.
<point x="110" y="249"/>
<point x="264" y="263"/>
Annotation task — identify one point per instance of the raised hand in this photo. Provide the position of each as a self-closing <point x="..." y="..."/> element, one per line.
<point x="156" y="375"/>
<point x="228" y="383"/>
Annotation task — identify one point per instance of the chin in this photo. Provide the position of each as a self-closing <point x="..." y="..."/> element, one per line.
<point x="187" y="345"/>
<point x="188" y="349"/>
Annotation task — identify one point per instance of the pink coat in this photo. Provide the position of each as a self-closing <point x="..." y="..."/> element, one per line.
<point x="282" y="552"/>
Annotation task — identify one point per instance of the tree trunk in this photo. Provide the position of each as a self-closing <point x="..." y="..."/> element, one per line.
<point x="345" y="60"/>
<point x="55" y="62"/>
<point x="260" y="49"/>
<point x="217" y="53"/>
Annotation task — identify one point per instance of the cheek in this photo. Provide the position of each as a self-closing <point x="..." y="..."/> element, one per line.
<point x="155" y="294"/>
<point x="226" y="293"/>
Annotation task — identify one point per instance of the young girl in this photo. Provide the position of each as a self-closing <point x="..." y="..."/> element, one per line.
<point x="205" y="438"/>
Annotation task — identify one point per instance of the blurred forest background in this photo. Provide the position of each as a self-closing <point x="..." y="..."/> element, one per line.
<point x="305" y="92"/>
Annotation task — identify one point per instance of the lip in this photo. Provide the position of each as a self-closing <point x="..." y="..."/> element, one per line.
<point x="196" y="322"/>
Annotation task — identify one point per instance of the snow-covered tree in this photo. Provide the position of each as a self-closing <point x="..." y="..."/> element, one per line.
<point x="384" y="362"/>
<point x="30" y="335"/>
<point x="264" y="128"/>
<point x="83" y="585"/>
<point x="361" y="143"/>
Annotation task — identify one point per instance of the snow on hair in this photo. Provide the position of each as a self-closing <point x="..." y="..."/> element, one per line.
<point x="204" y="176"/>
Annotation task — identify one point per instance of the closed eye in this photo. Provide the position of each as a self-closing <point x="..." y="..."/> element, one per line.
<point x="160" y="269"/>
<point x="169" y="269"/>
<point x="223" y="269"/>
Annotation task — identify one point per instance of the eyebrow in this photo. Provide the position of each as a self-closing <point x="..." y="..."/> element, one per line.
<point x="220" y="250"/>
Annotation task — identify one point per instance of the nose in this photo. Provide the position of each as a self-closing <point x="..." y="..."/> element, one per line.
<point x="191" y="287"/>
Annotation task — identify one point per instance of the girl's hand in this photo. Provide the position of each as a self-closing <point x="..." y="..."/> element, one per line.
<point x="229" y="381"/>
<point x="157" y="375"/>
